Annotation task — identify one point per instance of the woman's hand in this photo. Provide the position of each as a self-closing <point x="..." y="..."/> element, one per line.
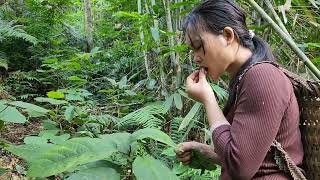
<point x="198" y="87"/>
<point x="197" y="155"/>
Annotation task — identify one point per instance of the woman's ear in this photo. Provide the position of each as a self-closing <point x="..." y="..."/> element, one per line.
<point x="229" y="35"/>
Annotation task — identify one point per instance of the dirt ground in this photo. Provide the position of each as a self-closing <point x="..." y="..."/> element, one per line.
<point x="14" y="133"/>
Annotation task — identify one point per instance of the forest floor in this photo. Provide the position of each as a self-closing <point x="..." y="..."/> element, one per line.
<point x="15" y="133"/>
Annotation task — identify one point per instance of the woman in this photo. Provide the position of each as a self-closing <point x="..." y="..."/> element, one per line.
<point x="261" y="107"/>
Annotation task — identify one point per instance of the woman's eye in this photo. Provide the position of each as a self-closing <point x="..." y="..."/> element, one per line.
<point x="196" y="48"/>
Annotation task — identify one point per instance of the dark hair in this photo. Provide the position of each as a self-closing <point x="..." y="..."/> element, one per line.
<point x="213" y="16"/>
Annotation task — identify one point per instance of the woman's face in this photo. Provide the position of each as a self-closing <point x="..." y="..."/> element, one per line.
<point x="212" y="52"/>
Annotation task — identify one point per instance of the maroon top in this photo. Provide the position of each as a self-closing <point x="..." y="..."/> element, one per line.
<point x="266" y="109"/>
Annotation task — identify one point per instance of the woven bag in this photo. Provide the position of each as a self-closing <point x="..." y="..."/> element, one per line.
<point x="308" y="97"/>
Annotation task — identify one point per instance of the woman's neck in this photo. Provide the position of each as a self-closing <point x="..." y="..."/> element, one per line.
<point x="241" y="57"/>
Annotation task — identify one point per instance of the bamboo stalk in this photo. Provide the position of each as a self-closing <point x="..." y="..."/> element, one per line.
<point x="276" y="17"/>
<point x="286" y="39"/>
<point x="146" y="63"/>
<point x="162" y="75"/>
<point x="170" y="29"/>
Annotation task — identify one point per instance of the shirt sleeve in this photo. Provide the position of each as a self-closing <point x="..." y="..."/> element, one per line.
<point x="263" y="99"/>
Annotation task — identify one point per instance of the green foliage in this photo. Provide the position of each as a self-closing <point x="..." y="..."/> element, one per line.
<point x="50" y="159"/>
<point x="92" y="98"/>
<point x="8" y="30"/>
<point x="96" y="173"/>
<point x="190" y="116"/>
<point x="148" y="117"/>
<point x="146" y="167"/>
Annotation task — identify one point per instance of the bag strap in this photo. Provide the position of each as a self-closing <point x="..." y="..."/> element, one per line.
<point x="285" y="163"/>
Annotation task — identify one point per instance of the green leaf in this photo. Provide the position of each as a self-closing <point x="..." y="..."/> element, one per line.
<point x="55" y="95"/>
<point x="145" y="168"/>
<point x="169" y="152"/>
<point x="154" y="134"/>
<point x="51" y="101"/>
<point x="96" y="173"/>
<point x="48" y="133"/>
<point x="59" y="139"/>
<point x="31" y="108"/>
<point x="76" y="78"/>
<point x="121" y="140"/>
<point x="168" y="103"/>
<point x="69" y="154"/>
<point x="74" y="97"/>
<point x="151" y="84"/>
<point x="155" y="34"/>
<point x="69" y="113"/>
<point x="4" y="63"/>
<point x="178" y="101"/>
<point x="35" y="140"/>
<point x="2" y="171"/>
<point x="220" y="92"/>
<point x="134" y="15"/>
<point x="189" y="116"/>
<point x="29" y="152"/>
<point x="123" y="82"/>
<point x="1" y="124"/>
<point x="313" y="45"/>
<point x="11" y="114"/>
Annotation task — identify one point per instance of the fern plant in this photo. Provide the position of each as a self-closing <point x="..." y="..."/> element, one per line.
<point x="8" y="30"/>
<point x="148" y="117"/>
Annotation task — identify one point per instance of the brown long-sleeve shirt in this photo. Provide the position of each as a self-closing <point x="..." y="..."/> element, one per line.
<point x="266" y="109"/>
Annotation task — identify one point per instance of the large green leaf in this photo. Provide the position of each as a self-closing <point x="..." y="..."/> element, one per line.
<point x="71" y="153"/>
<point x="154" y="134"/>
<point x="69" y="113"/>
<point x="30" y="108"/>
<point x="29" y="152"/>
<point x="190" y="116"/>
<point x="11" y="114"/>
<point x="145" y="168"/>
<point x="121" y="140"/>
<point x="96" y="173"/>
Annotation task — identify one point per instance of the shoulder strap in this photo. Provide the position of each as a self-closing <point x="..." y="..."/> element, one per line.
<point x="285" y="163"/>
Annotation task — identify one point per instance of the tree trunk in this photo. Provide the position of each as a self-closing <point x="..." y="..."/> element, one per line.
<point x="88" y="26"/>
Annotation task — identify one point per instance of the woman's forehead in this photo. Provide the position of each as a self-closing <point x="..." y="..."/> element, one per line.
<point x="192" y="36"/>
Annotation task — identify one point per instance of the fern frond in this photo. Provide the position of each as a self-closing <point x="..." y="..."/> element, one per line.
<point x="148" y="117"/>
<point x="8" y="30"/>
<point x="176" y="135"/>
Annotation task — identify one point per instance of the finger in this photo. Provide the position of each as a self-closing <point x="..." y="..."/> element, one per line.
<point x="192" y="77"/>
<point x="186" y="163"/>
<point x="202" y="74"/>
<point x="185" y="154"/>
<point x="187" y="146"/>
<point x="185" y="159"/>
